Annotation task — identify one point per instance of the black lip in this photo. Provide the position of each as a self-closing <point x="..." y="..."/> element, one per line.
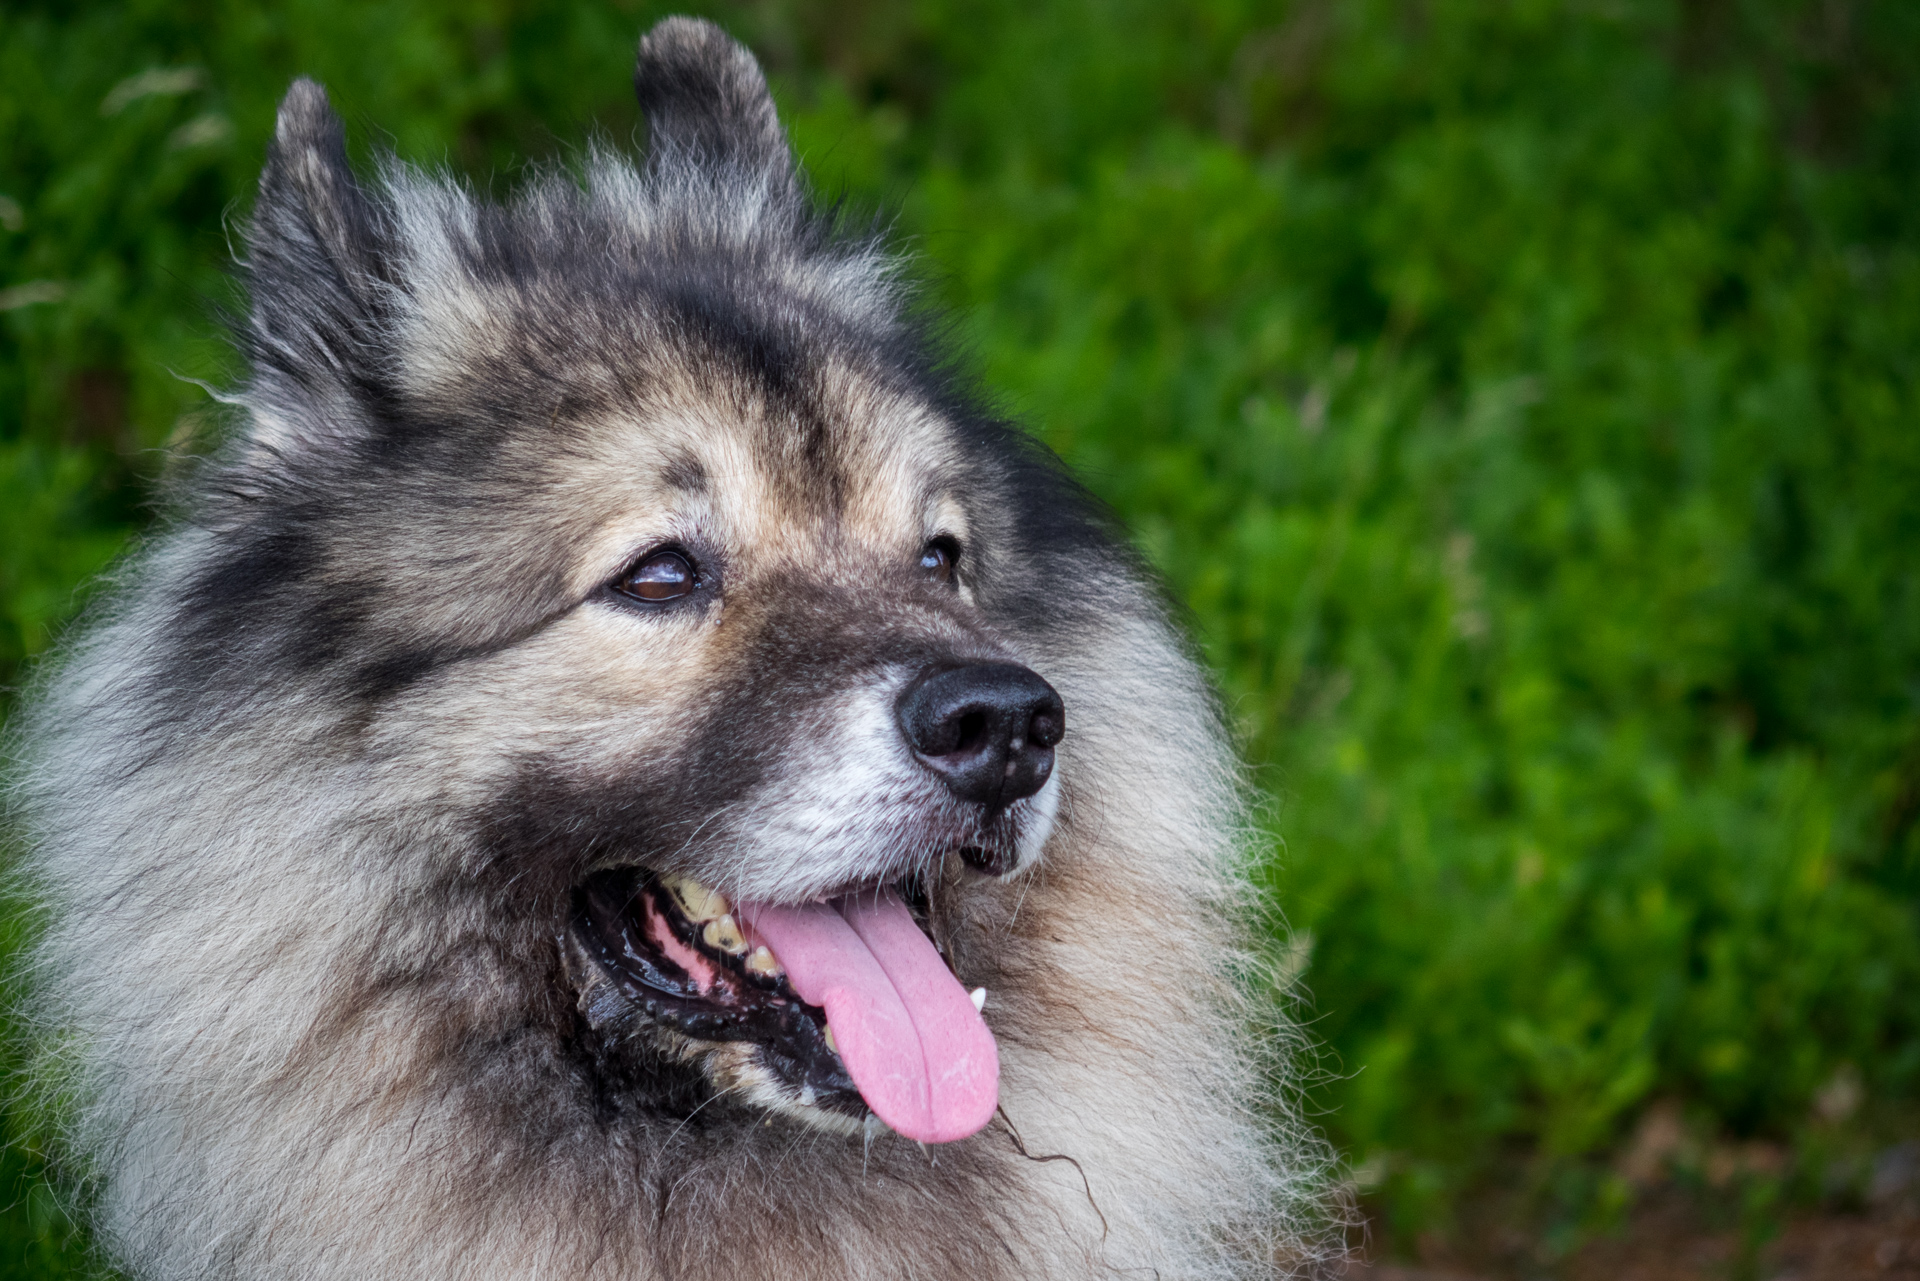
<point x="739" y="1006"/>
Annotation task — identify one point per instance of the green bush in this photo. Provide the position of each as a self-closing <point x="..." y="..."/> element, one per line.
<point x="1521" y="396"/>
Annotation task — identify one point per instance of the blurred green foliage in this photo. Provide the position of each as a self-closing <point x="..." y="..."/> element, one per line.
<point x="1521" y="395"/>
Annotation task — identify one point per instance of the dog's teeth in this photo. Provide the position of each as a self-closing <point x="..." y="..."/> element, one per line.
<point x="724" y="935"/>
<point x="762" y="961"/>
<point x="696" y="900"/>
<point x="979" y="997"/>
<point x="830" y="1043"/>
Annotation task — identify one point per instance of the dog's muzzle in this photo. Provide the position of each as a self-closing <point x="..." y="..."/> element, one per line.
<point x="840" y="1006"/>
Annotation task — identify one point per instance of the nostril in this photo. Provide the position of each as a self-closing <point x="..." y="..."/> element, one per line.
<point x="935" y="735"/>
<point x="972" y="729"/>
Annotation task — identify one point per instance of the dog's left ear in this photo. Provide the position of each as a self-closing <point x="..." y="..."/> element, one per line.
<point x="704" y="95"/>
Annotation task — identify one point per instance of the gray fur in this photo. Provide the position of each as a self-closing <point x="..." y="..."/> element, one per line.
<point x="304" y="798"/>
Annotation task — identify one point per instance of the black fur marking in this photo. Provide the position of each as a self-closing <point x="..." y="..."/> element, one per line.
<point x="738" y="345"/>
<point x="393" y="672"/>
<point x="686" y="474"/>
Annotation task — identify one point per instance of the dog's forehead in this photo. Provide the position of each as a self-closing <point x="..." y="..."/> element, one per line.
<point x="856" y="464"/>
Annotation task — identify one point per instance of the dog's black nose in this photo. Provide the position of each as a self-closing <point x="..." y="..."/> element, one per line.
<point x="988" y="730"/>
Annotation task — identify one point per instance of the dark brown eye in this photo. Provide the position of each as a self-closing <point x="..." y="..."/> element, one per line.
<point x="938" y="558"/>
<point x="661" y="577"/>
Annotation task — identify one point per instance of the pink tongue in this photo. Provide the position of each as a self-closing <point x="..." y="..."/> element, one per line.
<point x="910" y="1037"/>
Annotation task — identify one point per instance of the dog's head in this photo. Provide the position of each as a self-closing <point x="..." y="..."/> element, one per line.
<point x="636" y="525"/>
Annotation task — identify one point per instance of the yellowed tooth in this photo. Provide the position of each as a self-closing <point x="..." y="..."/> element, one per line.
<point x="762" y="961"/>
<point x="830" y="1044"/>
<point x="696" y="900"/>
<point x="724" y="935"/>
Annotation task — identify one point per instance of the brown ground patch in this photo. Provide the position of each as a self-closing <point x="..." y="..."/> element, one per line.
<point x="1666" y="1240"/>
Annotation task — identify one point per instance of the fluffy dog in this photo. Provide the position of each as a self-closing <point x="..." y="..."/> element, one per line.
<point x="621" y="767"/>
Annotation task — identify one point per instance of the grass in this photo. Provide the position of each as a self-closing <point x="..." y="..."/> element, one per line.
<point x="1522" y="398"/>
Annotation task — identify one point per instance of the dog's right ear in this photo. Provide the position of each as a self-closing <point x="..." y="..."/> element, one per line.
<point x="316" y="257"/>
<point x="704" y="95"/>
<point x="313" y="222"/>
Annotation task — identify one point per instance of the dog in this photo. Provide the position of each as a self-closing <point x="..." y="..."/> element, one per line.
<point x="621" y="765"/>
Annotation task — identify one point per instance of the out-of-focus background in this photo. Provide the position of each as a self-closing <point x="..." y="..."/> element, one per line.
<point x="1522" y="395"/>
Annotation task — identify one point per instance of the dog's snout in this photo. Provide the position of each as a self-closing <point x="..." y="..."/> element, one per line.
<point x="987" y="729"/>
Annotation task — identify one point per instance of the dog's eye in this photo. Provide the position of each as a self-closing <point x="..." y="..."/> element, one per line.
<point x="939" y="558"/>
<point x="663" y="576"/>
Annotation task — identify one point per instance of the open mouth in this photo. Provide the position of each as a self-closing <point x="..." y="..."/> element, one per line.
<point x="846" y="1003"/>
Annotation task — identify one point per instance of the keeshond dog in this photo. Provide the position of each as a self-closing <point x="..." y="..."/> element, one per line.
<point x="622" y="766"/>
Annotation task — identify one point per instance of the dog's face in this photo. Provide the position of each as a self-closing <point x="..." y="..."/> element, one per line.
<point x="765" y="676"/>
<point x="666" y="560"/>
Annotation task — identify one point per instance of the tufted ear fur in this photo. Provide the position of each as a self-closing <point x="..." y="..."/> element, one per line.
<point x="311" y="212"/>
<point x="704" y="94"/>
<point x="317" y="261"/>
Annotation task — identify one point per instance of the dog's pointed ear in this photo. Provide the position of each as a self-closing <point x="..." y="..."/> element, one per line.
<point x="316" y="258"/>
<point x="703" y="93"/>
<point x="312" y="219"/>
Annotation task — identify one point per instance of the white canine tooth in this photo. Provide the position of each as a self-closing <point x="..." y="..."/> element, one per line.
<point x="979" y="998"/>
<point x="724" y="935"/>
<point x="762" y="961"/>
<point x="696" y="900"/>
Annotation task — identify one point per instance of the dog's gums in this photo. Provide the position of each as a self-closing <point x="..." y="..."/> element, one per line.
<point x="641" y="938"/>
<point x="667" y="952"/>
